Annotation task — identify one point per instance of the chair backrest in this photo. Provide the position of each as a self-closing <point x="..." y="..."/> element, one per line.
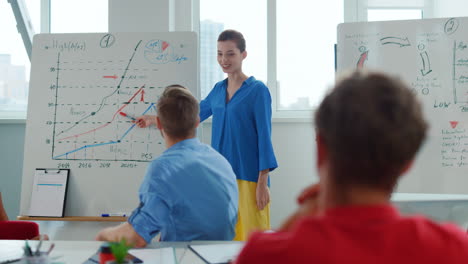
<point x="18" y="230"/>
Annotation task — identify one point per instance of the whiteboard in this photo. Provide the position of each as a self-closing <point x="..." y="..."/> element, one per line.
<point x="432" y="57"/>
<point x="79" y="85"/>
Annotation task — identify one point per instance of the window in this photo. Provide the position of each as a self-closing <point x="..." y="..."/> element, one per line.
<point x="84" y="16"/>
<point x="306" y="34"/>
<point x="246" y="16"/>
<point x="393" y="14"/>
<point x="14" y="62"/>
<point x="385" y="10"/>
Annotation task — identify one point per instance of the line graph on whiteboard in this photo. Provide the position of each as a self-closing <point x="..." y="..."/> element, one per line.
<point x="96" y="102"/>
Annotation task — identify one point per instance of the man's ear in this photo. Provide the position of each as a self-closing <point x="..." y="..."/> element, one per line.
<point x="198" y="122"/>
<point x="244" y="54"/>
<point x="158" y="123"/>
<point x="322" y="151"/>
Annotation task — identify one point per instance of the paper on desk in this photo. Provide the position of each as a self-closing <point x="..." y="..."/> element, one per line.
<point x="218" y="253"/>
<point x="155" y="255"/>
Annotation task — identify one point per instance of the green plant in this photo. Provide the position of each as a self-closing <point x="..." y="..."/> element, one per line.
<point x="120" y="250"/>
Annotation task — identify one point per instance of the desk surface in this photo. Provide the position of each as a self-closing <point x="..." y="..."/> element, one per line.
<point x="75" y="218"/>
<point x="427" y="197"/>
<point x="79" y="251"/>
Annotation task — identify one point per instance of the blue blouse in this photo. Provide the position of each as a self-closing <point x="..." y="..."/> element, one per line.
<point x="242" y="127"/>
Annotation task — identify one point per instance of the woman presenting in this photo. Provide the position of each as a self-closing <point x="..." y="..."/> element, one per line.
<point x="241" y="132"/>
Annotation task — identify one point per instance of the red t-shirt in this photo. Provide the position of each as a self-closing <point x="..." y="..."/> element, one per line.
<point x="360" y="234"/>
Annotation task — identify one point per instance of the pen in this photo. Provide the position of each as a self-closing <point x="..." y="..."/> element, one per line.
<point x="50" y="248"/>
<point x="115" y="214"/>
<point x="27" y="250"/>
<point x="124" y="114"/>
<point x="38" y="252"/>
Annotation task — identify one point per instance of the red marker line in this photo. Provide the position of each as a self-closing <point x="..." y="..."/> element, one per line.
<point x="127" y="116"/>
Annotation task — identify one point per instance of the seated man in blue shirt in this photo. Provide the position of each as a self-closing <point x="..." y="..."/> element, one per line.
<point x="190" y="191"/>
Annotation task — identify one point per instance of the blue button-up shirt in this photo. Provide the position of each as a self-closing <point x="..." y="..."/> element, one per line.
<point x="188" y="193"/>
<point x="242" y="127"/>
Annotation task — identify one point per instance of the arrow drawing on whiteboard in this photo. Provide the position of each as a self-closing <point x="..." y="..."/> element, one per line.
<point x="142" y="98"/>
<point x="426" y="64"/>
<point x="403" y="42"/>
<point x="362" y="59"/>
<point x="110" y="76"/>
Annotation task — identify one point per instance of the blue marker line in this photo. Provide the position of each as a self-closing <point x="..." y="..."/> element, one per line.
<point x="147" y="109"/>
<point x="85" y="146"/>
<point x="126" y="132"/>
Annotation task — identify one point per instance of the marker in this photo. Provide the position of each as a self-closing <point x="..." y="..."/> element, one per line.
<point x="38" y="252"/>
<point x="124" y="114"/>
<point x="27" y="250"/>
<point x="116" y="214"/>
<point x="50" y="248"/>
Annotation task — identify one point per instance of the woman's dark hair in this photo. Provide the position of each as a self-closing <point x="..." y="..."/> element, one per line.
<point x="235" y="36"/>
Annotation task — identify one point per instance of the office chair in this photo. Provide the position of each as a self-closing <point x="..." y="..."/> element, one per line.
<point x="18" y="230"/>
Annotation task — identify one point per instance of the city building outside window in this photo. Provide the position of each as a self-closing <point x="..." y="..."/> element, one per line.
<point x="14" y="62"/>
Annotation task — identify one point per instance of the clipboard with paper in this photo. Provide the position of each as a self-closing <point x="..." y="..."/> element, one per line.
<point x="49" y="192"/>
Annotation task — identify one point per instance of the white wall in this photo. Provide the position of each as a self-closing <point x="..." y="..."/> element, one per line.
<point x="11" y="165"/>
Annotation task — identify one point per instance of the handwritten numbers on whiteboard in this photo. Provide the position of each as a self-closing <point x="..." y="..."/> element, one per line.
<point x="107" y="41"/>
<point x="451" y="26"/>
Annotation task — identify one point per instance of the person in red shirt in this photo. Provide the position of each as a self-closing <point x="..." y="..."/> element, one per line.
<point x="368" y="131"/>
<point x="3" y="214"/>
<point x="4" y="217"/>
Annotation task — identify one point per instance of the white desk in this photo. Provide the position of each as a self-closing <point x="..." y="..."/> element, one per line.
<point x="425" y="197"/>
<point x="72" y="252"/>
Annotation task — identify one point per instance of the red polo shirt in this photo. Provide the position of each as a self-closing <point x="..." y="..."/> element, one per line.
<point x="364" y="235"/>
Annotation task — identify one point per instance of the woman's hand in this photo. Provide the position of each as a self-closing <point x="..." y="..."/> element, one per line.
<point x="145" y="121"/>
<point x="262" y="192"/>
<point x="263" y="196"/>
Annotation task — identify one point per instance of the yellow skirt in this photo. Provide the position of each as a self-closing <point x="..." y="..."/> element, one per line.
<point x="249" y="218"/>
